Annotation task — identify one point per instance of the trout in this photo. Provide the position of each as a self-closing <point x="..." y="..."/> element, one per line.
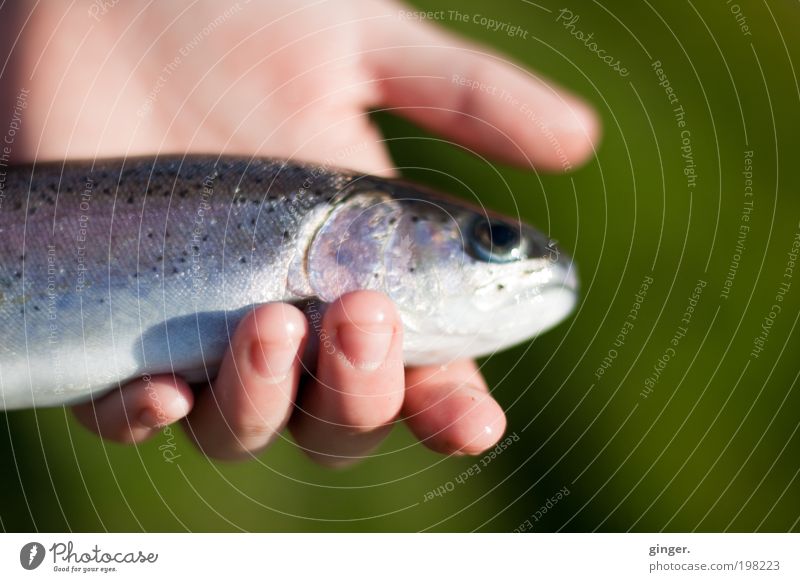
<point x="115" y="269"/>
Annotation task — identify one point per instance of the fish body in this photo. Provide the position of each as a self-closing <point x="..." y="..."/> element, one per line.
<point x="113" y="269"/>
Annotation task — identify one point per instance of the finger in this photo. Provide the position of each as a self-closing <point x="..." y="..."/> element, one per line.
<point x="358" y="144"/>
<point x="138" y="410"/>
<point x="484" y="102"/>
<point x="450" y="409"/>
<point x="349" y="407"/>
<point x="252" y="396"/>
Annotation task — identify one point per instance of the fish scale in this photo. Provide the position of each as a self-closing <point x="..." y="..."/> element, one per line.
<point x="117" y="268"/>
<point x="108" y="248"/>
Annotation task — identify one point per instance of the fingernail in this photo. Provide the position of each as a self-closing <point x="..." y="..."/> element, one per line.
<point x="365" y="346"/>
<point x="149" y="418"/>
<point x="163" y="414"/>
<point x="273" y="360"/>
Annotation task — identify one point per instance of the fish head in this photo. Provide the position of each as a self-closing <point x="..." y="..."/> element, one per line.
<point x="467" y="282"/>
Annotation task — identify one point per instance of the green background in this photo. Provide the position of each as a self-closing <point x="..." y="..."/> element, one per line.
<point x="715" y="445"/>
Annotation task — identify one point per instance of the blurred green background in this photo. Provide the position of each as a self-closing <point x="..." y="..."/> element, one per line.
<point x="714" y="446"/>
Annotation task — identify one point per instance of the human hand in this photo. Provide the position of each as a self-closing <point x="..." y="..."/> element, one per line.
<point x="293" y="80"/>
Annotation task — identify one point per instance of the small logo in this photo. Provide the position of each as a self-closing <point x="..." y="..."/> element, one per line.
<point x="31" y="555"/>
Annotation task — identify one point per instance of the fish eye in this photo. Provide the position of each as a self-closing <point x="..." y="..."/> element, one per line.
<point x="495" y="241"/>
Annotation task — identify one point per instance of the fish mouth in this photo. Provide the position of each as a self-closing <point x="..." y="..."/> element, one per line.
<point x="570" y="280"/>
<point x="499" y="328"/>
<point x="561" y="294"/>
<point x="528" y="280"/>
<point x="565" y="273"/>
<point x="541" y="306"/>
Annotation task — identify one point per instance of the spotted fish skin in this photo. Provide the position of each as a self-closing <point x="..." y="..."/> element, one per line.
<point x="115" y="269"/>
<point x="120" y="267"/>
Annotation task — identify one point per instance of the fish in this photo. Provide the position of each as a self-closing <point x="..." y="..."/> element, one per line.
<point x="115" y="269"/>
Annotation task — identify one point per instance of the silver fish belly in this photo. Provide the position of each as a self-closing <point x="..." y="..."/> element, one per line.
<point x="117" y="268"/>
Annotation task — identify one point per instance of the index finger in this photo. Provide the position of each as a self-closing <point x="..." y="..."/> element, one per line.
<point x="477" y="98"/>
